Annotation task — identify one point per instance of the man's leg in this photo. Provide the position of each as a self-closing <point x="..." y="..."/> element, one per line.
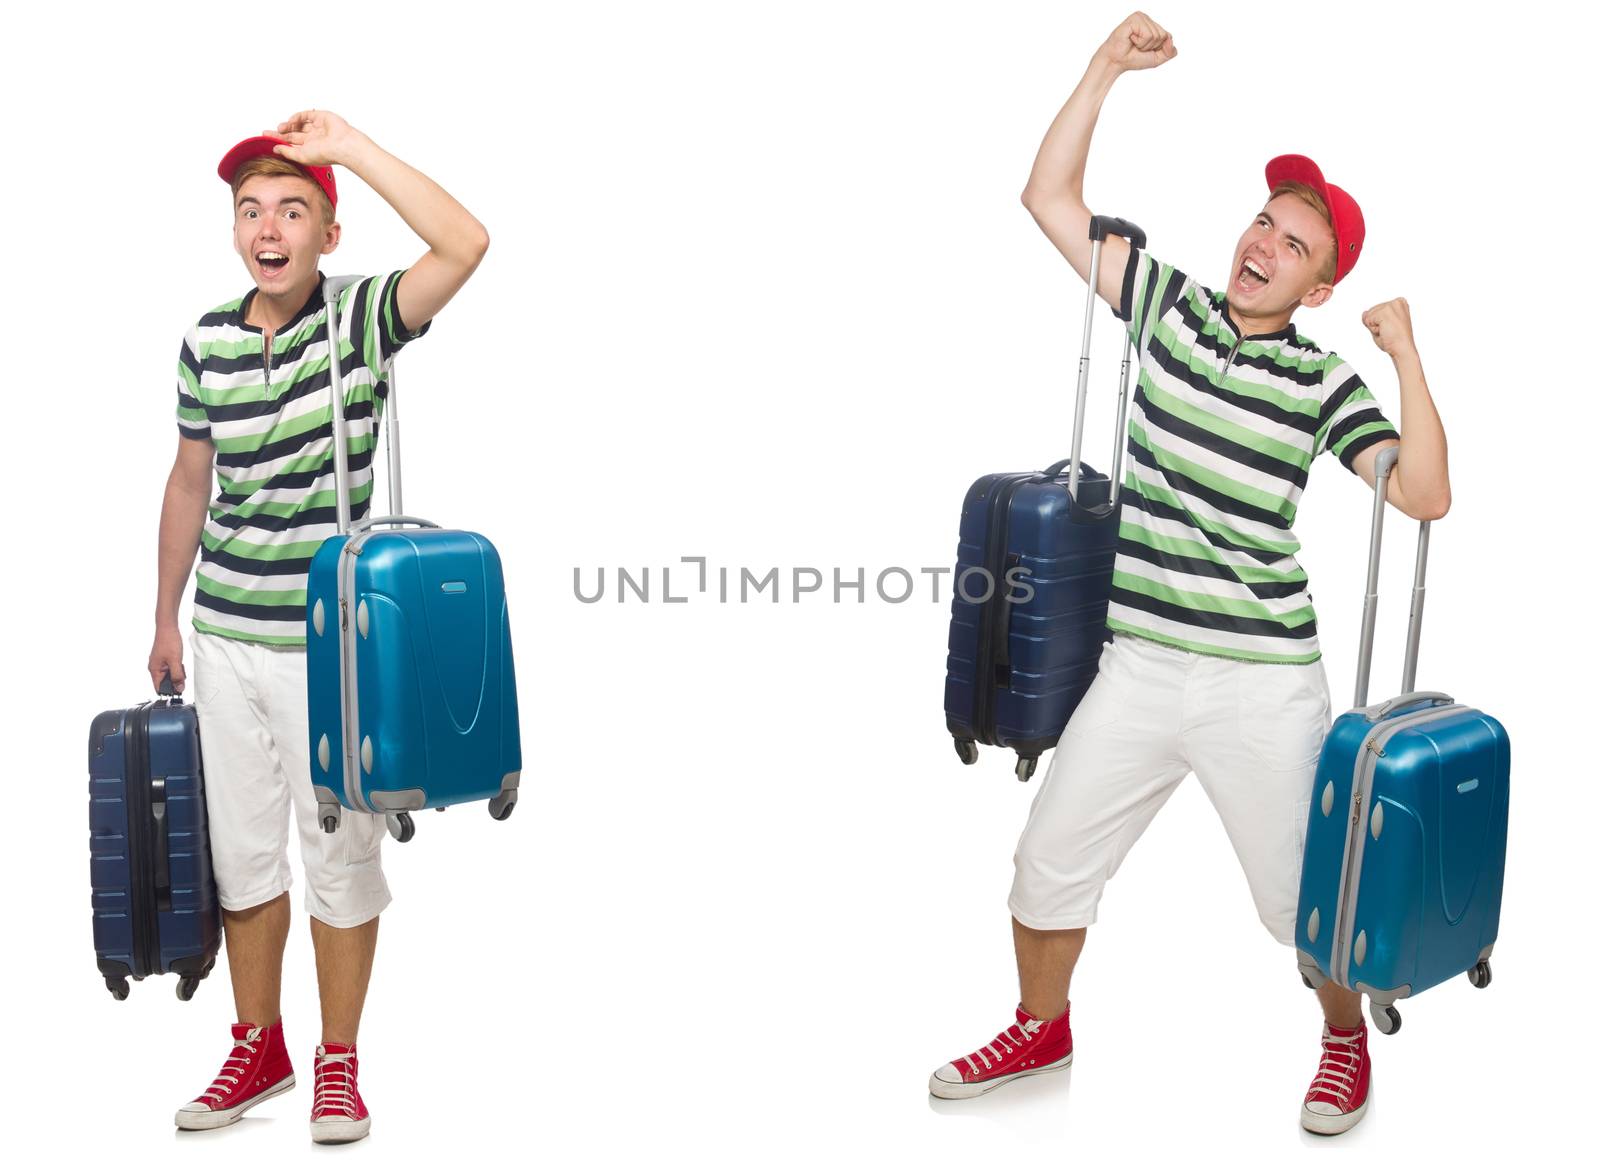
<point x="255" y="941"/>
<point x="1255" y="736"/>
<point x="1045" y="959"/>
<point x="247" y="803"/>
<point x="1340" y="1008"/>
<point x="1116" y="764"/>
<point x="345" y="892"/>
<point x="344" y="968"/>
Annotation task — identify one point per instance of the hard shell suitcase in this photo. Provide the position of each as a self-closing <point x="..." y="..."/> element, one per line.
<point x="154" y="900"/>
<point x="1032" y="581"/>
<point x="411" y="687"/>
<point x="1406" y="846"/>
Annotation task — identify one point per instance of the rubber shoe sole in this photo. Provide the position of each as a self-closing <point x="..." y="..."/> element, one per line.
<point x="946" y="1090"/>
<point x="340" y="1131"/>
<point x="1324" y="1124"/>
<point x="195" y="1121"/>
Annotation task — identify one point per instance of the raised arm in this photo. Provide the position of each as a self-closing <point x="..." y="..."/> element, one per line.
<point x="1054" y="194"/>
<point x="456" y="240"/>
<point x="1420" y="483"/>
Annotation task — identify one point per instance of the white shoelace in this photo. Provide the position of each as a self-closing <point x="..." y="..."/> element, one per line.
<point x="1336" y="1075"/>
<point x="234" y="1068"/>
<point x="1002" y="1045"/>
<point x="336" y="1086"/>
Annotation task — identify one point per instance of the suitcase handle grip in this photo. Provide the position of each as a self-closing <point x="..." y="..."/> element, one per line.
<point x="1379" y="712"/>
<point x="1055" y="469"/>
<point x="1102" y="226"/>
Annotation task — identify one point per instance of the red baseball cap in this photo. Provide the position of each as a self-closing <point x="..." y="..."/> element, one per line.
<point x="262" y="147"/>
<point x="1349" y="227"/>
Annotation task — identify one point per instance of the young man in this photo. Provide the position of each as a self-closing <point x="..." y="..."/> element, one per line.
<point x="254" y="405"/>
<point x="1214" y="663"/>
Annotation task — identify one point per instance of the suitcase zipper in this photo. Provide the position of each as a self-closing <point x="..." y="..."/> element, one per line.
<point x="350" y="705"/>
<point x="993" y="559"/>
<point x="141" y="877"/>
<point x="1361" y="803"/>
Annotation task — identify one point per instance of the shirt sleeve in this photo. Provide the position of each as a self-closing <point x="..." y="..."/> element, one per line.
<point x="193" y="422"/>
<point x="1150" y="288"/>
<point x="1350" y="420"/>
<point x="372" y="322"/>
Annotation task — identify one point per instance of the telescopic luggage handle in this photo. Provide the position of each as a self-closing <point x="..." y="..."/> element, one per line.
<point x="331" y="289"/>
<point x="1101" y="226"/>
<point x="1369" y="613"/>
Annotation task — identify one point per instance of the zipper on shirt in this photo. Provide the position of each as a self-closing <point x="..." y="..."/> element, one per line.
<point x="266" y="360"/>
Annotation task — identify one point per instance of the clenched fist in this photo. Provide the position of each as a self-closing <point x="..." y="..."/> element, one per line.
<point x="1390" y="324"/>
<point x="1138" y="42"/>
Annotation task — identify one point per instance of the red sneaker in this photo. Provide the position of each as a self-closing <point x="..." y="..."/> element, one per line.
<point x="337" y="1113"/>
<point x="1339" y="1095"/>
<point x="256" y="1069"/>
<point x="1029" y="1045"/>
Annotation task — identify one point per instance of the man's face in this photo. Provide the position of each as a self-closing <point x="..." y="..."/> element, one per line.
<point x="278" y="231"/>
<point x="1277" y="263"/>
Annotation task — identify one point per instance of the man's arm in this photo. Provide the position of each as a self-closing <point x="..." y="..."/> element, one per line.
<point x="1420" y="482"/>
<point x="1054" y="194"/>
<point x="183" y="517"/>
<point x="456" y="240"/>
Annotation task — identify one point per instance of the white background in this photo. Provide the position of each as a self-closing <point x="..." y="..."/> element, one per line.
<point x="761" y="289"/>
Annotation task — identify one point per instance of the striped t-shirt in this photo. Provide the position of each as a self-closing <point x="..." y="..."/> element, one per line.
<point x="1221" y="438"/>
<point x="271" y="420"/>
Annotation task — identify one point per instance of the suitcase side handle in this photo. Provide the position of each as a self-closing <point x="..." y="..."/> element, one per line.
<point x="1379" y="712"/>
<point x="1100" y="226"/>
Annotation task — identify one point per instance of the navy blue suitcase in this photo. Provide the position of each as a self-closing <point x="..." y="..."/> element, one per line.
<point x="1032" y="581"/>
<point x="155" y="903"/>
<point x="1406" y="845"/>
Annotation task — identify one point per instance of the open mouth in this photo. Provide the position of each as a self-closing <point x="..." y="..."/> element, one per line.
<point x="1251" y="276"/>
<point x="271" y="261"/>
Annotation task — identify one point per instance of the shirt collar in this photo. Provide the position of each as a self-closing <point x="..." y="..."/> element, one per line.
<point x="1220" y="300"/>
<point x="312" y="306"/>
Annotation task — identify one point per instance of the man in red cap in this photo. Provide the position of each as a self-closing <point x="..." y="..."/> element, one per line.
<point x="1213" y="665"/>
<point x="254" y="411"/>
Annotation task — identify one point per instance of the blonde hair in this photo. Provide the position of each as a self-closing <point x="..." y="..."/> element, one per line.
<point x="276" y="166"/>
<point x="1314" y="199"/>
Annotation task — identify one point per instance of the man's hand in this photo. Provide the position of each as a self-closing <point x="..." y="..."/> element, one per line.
<point x="1138" y="42"/>
<point x="166" y="656"/>
<point x="1390" y="324"/>
<point x="316" y="137"/>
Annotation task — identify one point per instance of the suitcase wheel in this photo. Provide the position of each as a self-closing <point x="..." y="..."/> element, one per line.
<point x="1025" y="767"/>
<point x="402" y="827"/>
<point x="1306" y="979"/>
<point x="1387" y="1019"/>
<point x="968" y="749"/>
<point x="118" y="988"/>
<point x="1480" y="975"/>
<point x="329" y="825"/>
<point x="501" y="805"/>
<point x="187" y="986"/>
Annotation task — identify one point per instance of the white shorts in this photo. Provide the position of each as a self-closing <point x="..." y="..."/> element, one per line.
<point x="254" y="738"/>
<point x="1252" y="733"/>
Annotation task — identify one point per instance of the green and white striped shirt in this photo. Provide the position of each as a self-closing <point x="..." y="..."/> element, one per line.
<point x="1220" y="443"/>
<point x="271" y="419"/>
